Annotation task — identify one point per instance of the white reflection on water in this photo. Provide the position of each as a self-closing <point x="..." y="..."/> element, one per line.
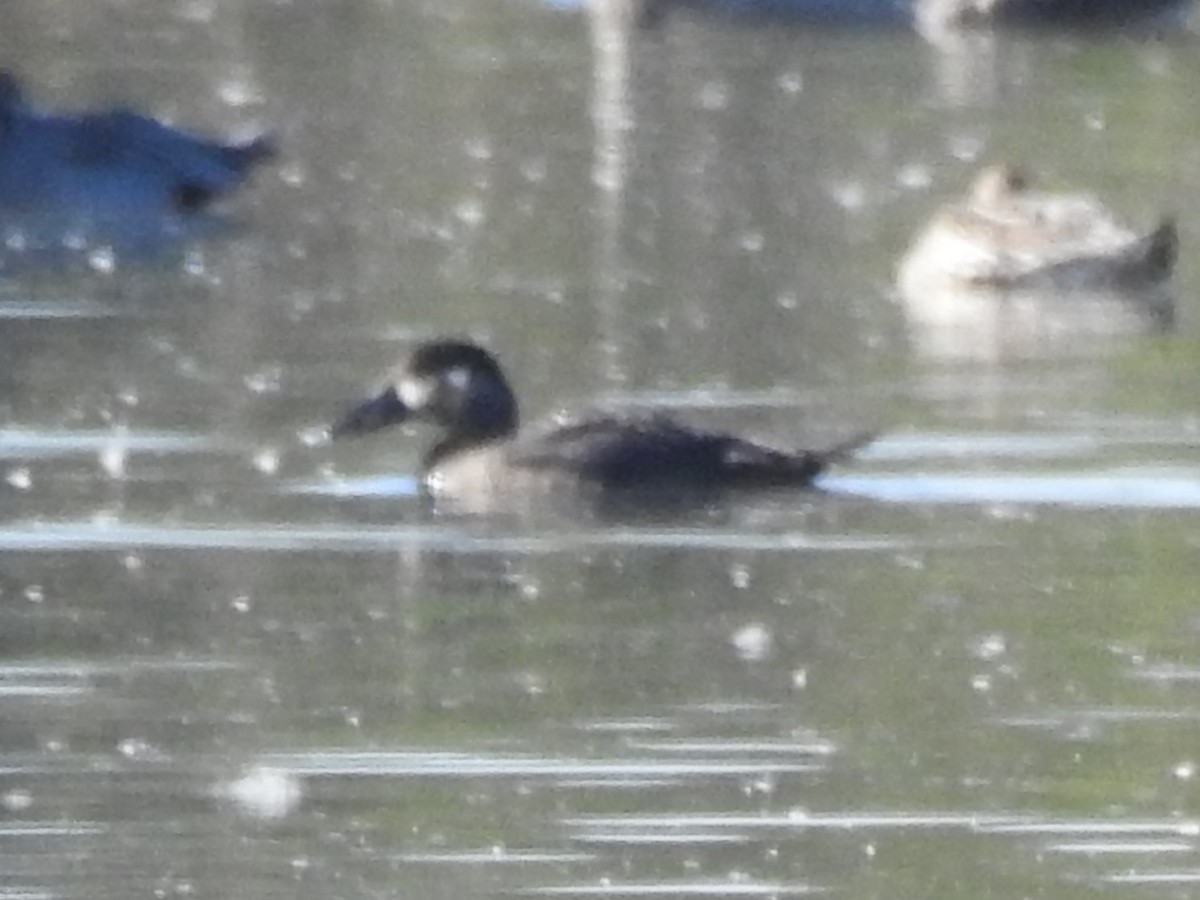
<point x="1167" y="673"/>
<point x="419" y="763"/>
<point x="82" y="536"/>
<point x="1107" y="848"/>
<point x="492" y="855"/>
<point x="807" y="748"/>
<point x="684" y="889"/>
<point x="57" y="310"/>
<point x="802" y="819"/>
<point x="1188" y="876"/>
<point x="1097" y="827"/>
<point x="48" y="829"/>
<point x="1133" y="487"/>
<point x="380" y="486"/>
<point x="19" y="443"/>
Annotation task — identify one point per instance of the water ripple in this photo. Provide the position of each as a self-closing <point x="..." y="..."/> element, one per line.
<point x="23" y="443"/>
<point x="680" y="889"/>
<point x="1099" y="848"/>
<point x="78" y="536"/>
<point x="466" y="765"/>
<point x="801" y="819"/>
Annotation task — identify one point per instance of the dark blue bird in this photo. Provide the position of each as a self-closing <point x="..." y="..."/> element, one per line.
<point x="101" y="167"/>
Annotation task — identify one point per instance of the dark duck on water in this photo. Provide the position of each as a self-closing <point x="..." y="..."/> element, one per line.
<point x="460" y="389"/>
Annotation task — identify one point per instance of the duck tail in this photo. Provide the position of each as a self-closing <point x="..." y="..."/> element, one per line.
<point x="817" y="461"/>
<point x="1162" y="246"/>
<point x="245" y="156"/>
<point x="847" y="448"/>
<point x="807" y="465"/>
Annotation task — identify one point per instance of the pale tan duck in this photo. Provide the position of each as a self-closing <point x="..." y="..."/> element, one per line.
<point x="1004" y="235"/>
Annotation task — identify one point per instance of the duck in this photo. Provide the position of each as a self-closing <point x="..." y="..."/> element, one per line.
<point x="109" y="164"/>
<point x="1006" y="235"/>
<point x="937" y="15"/>
<point x="459" y="388"/>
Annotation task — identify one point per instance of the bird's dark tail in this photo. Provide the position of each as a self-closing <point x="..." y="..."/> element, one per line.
<point x="752" y="465"/>
<point x="812" y="463"/>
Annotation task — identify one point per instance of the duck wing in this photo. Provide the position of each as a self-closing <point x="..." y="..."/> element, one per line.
<point x="128" y="141"/>
<point x="616" y="451"/>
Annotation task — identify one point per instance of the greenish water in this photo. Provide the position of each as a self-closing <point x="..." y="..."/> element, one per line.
<point x="238" y="662"/>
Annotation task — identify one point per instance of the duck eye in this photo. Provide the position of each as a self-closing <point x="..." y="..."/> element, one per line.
<point x="458" y="377"/>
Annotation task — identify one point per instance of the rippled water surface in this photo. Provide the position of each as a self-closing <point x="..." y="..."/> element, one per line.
<point x="236" y="661"/>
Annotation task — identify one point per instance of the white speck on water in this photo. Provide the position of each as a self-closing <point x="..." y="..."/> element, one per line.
<point x="981" y="683"/>
<point x="133" y="563"/>
<point x="139" y="749"/>
<point x="239" y="92"/>
<point x="800" y="679"/>
<point x="713" y="96"/>
<point x="103" y="260"/>
<point x="112" y="459"/>
<point x="265" y="380"/>
<point x="266" y="460"/>
<point x="790" y="82"/>
<point x="265" y="792"/>
<point x="16" y="800"/>
<point x="850" y="195"/>
<point x="35" y="593"/>
<point x="914" y="177"/>
<point x="764" y="786"/>
<point x="1185" y="770"/>
<point x="966" y="147"/>
<point x="534" y="170"/>
<point x="753" y="642"/>
<point x="20" y="478"/>
<point x="470" y="212"/>
<point x="241" y="603"/>
<point x="193" y="263"/>
<point x="533" y="683"/>
<point x="752" y="241"/>
<point x="293" y="174"/>
<point x="989" y="646"/>
<point x="478" y="148"/>
<point x="739" y="576"/>
<point x="313" y="436"/>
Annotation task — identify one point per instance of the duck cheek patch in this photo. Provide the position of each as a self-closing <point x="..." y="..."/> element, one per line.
<point x="415" y="393"/>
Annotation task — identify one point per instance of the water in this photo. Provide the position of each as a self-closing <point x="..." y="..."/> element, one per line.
<point x="238" y="661"/>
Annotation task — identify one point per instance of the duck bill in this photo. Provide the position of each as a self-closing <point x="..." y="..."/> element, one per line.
<point x="378" y="412"/>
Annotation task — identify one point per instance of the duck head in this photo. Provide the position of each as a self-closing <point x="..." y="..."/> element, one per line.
<point x="456" y="386"/>
<point x="997" y="183"/>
